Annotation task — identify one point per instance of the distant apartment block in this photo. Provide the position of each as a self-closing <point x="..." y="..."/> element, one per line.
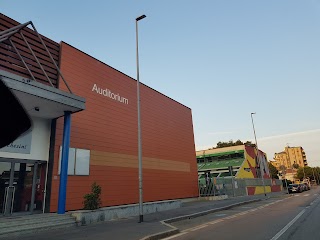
<point x="289" y="157"/>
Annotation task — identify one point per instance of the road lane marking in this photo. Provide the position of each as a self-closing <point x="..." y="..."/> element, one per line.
<point x="199" y="227"/>
<point x="186" y="231"/>
<point x="175" y="236"/>
<point x="283" y="230"/>
<point x="314" y="201"/>
<point x="220" y="215"/>
<point x="242" y="213"/>
<point x="214" y="222"/>
<point x="233" y="216"/>
<point x="306" y="195"/>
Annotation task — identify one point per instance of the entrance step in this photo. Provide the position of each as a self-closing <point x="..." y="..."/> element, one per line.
<point x="18" y="225"/>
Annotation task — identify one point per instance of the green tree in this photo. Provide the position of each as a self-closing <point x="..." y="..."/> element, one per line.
<point x="304" y="172"/>
<point x="317" y="174"/>
<point x="249" y="143"/>
<point x="229" y="144"/>
<point x="295" y="165"/>
<point x="273" y="171"/>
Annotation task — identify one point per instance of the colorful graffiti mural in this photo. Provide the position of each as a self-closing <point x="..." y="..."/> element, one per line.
<point x="251" y="166"/>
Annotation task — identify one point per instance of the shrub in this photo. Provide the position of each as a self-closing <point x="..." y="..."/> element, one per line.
<point x="92" y="200"/>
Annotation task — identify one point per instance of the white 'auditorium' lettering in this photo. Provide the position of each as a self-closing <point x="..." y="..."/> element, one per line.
<point x="107" y="93"/>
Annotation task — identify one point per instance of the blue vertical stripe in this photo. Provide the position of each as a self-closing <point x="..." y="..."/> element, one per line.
<point x="64" y="164"/>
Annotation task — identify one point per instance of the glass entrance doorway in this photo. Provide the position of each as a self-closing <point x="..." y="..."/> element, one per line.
<point x="21" y="183"/>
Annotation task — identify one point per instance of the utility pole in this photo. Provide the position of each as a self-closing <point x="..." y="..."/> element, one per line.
<point x="285" y="180"/>
<point x="314" y="178"/>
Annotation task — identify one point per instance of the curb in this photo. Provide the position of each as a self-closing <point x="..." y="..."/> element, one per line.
<point x="199" y="214"/>
<point x="175" y="230"/>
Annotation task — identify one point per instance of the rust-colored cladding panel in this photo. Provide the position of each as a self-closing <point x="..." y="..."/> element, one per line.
<point x="108" y="128"/>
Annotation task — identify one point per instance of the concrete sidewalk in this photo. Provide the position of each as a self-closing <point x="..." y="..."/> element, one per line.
<point x="153" y="227"/>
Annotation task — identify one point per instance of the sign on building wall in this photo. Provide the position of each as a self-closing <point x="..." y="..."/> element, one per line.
<point x="107" y="93"/>
<point x="20" y="145"/>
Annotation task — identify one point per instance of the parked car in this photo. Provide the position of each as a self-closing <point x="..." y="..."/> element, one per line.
<point x="307" y="186"/>
<point x="303" y="187"/>
<point x="294" y="188"/>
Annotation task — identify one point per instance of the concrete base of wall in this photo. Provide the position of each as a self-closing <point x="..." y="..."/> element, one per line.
<point x="208" y="198"/>
<point x="84" y="217"/>
<point x="214" y="198"/>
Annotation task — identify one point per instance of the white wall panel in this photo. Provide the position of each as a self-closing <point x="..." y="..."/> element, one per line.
<point x="40" y="142"/>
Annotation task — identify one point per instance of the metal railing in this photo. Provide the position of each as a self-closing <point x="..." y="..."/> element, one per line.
<point x="232" y="186"/>
<point x="8" y="198"/>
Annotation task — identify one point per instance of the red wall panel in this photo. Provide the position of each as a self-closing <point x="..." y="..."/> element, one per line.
<point x="109" y="129"/>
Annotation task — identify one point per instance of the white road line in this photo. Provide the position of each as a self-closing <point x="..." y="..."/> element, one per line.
<point x="306" y="195"/>
<point x="242" y="213"/>
<point x="175" y="236"/>
<point x="314" y="201"/>
<point x="197" y="228"/>
<point x="230" y="217"/>
<point x="283" y="230"/>
<point x="214" y="222"/>
<point x="219" y="220"/>
<point x="220" y="215"/>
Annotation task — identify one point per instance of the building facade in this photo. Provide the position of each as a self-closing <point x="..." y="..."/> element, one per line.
<point x="291" y="156"/>
<point x="98" y="104"/>
<point x="243" y="160"/>
<point x="289" y="160"/>
<point x="241" y="163"/>
<point x="281" y="159"/>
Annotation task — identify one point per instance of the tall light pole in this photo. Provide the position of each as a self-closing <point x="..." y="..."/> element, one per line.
<point x="314" y="178"/>
<point x="139" y="127"/>
<point x="258" y="154"/>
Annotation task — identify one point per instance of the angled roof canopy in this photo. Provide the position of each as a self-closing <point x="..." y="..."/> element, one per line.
<point x="7" y="34"/>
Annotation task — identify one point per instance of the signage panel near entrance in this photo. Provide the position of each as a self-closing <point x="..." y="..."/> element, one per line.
<point x="20" y="145"/>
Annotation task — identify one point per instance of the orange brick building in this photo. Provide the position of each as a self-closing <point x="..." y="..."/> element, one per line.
<point x="103" y="136"/>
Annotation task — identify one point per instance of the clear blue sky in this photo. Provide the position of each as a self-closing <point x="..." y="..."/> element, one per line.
<point x="223" y="59"/>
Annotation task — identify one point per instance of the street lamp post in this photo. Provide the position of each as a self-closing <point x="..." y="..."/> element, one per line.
<point x="314" y="178"/>
<point x="284" y="172"/>
<point x="139" y="127"/>
<point x="258" y="154"/>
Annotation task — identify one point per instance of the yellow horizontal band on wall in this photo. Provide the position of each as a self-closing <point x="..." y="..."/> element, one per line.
<point x="124" y="160"/>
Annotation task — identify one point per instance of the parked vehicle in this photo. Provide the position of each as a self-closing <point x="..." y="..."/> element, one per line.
<point x="303" y="187"/>
<point x="307" y="186"/>
<point x="292" y="188"/>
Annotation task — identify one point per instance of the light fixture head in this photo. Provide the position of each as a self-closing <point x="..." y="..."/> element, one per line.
<point x="141" y="17"/>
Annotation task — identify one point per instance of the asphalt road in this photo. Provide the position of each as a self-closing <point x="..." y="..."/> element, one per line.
<point x="290" y="217"/>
